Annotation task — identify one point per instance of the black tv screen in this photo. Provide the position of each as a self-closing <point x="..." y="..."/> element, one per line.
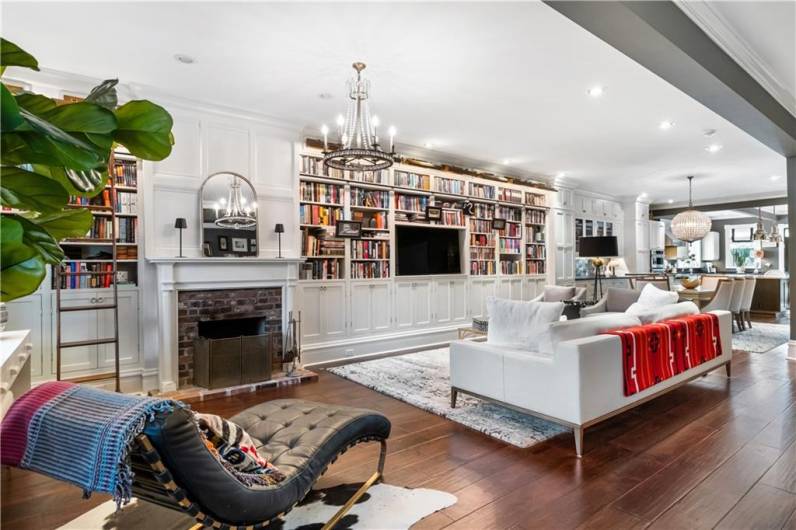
<point x="421" y="250"/>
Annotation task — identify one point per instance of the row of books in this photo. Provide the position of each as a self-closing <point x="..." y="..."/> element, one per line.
<point x="481" y="240"/>
<point x="102" y="228"/>
<point x="483" y="211"/>
<point x="510" y="267"/>
<point x="372" y="269"/>
<point x="126" y="201"/>
<point x="312" y="245"/>
<point x="370" y="219"/>
<point x="535" y="199"/>
<point x="482" y="253"/>
<point x="535" y="216"/>
<point x="366" y="249"/>
<point x="417" y="217"/>
<point x="535" y="251"/>
<point x="483" y="227"/>
<point x="535" y="233"/>
<point x="313" y="214"/>
<point x="415" y="203"/>
<point x="127" y="252"/>
<point x="322" y="269"/>
<point x="412" y="180"/>
<point x="125" y="172"/>
<point x="446" y="185"/>
<point x="313" y="165"/>
<point x="320" y="192"/>
<point x="511" y="230"/>
<point x="453" y="217"/>
<point x="482" y="191"/>
<point x="70" y="280"/>
<point x="534" y="267"/>
<point x="510" y="195"/>
<point x="482" y="268"/>
<point x="370" y="198"/>
<point x="510" y="246"/>
<point x="508" y="213"/>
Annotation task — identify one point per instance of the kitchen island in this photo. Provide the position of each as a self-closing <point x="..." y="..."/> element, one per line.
<point x="771" y="296"/>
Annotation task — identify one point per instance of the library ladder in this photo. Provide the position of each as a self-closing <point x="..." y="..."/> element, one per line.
<point x="114" y="306"/>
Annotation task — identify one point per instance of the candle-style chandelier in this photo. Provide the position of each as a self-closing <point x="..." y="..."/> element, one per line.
<point x="359" y="148"/>
<point x="236" y="213"/>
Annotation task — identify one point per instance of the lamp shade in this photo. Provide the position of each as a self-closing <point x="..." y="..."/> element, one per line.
<point x="180" y="223"/>
<point x="598" y="247"/>
<point x="279" y="228"/>
<point x="691" y="225"/>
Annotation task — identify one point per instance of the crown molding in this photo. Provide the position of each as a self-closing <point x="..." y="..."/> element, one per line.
<point x="720" y="31"/>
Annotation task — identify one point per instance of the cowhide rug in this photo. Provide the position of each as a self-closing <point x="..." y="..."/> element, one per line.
<point x="383" y="507"/>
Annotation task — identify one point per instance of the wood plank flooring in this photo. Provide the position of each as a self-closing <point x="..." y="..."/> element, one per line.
<point x="717" y="453"/>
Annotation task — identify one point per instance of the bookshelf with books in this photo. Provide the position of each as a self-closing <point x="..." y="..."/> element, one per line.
<point x="510" y="239"/>
<point x="535" y="233"/>
<point x="482" y="240"/>
<point x="321" y="205"/>
<point x="370" y="254"/>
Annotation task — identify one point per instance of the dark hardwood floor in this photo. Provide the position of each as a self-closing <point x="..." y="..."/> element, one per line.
<point x="718" y="452"/>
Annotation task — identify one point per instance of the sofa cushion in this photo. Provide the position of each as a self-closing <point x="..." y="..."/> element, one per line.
<point x="586" y="327"/>
<point x="558" y="293"/>
<point x="618" y="299"/>
<point x="649" y="316"/>
<point x="520" y="325"/>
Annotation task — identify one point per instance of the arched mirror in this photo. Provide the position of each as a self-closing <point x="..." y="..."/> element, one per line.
<point x="228" y="209"/>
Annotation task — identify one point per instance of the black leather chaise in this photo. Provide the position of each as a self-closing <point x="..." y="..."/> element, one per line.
<point x="173" y="468"/>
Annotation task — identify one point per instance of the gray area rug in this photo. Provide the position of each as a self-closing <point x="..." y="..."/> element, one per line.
<point x="423" y="380"/>
<point x="761" y="338"/>
<point x="383" y="507"/>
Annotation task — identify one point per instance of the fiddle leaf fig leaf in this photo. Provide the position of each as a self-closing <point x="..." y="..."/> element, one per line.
<point x="66" y="223"/>
<point x="13" y="55"/>
<point x="35" y="103"/>
<point x="104" y="94"/>
<point x="23" y="268"/>
<point x="144" y="129"/>
<point x="26" y="190"/>
<point x="39" y="239"/>
<point x="10" y="117"/>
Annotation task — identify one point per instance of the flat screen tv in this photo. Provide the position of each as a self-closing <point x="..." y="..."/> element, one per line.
<point x="421" y="250"/>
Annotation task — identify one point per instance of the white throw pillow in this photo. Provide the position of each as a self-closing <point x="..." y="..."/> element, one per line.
<point x="653" y="297"/>
<point x="586" y="327"/>
<point x="520" y="325"/>
<point x="649" y="316"/>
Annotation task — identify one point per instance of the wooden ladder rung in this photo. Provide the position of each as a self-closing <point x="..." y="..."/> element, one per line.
<point x="88" y="378"/>
<point x="92" y="307"/>
<point x="91" y="342"/>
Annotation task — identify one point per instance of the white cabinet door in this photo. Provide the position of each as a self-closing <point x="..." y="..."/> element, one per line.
<point x="370" y="305"/>
<point x="78" y="326"/>
<point x="333" y="310"/>
<point x="128" y="329"/>
<point x="480" y="290"/>
<point x="564" y="198"/>
<point x="403" y="305"/>
<point x="310" y="304"/>
<point x="459" y="300"/>
<point x="380" y="301"/>
<point x="510" y="288"/>
<point x="657" y="235"/>
<point x="642" y="236"/>
<point x="26" y="313"/>
<point x="443" y="292"/>
<point x="421" y="307"/>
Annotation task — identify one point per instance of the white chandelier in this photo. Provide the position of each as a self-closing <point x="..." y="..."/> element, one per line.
<point x="690" y="225"/>
<point x="358" y="133"/>
<point x="237" y="214"/>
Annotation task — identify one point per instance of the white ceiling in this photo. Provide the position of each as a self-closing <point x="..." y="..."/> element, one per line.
<point x="485" y="81"/>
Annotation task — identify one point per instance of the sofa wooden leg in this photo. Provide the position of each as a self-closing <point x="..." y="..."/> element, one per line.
<point x="578" y="432"/>
<point x="454" y="395"/>
<point x="728" y="368"/>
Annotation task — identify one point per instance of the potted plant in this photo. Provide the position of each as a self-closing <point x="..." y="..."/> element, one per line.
<point x="739" y="258"/>
<point x="52" y="151"/>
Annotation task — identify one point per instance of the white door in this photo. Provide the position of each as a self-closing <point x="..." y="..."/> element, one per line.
<point x="128" y="329"/>
<point x="26" y="313"/>
<point x="333" y="310"/>
<point x="77" y="326"/>
<point x="310" y="304"/>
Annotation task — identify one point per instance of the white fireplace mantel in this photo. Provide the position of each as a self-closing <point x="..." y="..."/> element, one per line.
<point x="194" y="274"/>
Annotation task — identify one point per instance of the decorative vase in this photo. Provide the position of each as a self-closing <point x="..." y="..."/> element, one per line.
<point x="3" y="316"/>
<point x="740" y="270"/>
<point x="690" y="283"/>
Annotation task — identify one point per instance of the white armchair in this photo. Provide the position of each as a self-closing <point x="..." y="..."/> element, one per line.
<point x="560" y="293"/>
<point x="615" y="300"/>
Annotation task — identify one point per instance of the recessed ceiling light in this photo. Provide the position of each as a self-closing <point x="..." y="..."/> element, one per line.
<point x="666" y="125"/>
<point x="428" y="145"/>
<point x="506" y="161"/>
<point x="776" y="177"/>
<point x="596" y="91"/>
<point x="325" y="95"/>
<point x="561" y="174"/>
<point x="670" y="201"/>
<point x="184" y="59"/>
<point x="713" y="148"/>
<point x="643" y="193"/>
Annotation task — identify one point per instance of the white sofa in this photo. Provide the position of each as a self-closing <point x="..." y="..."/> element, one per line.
<point x="578" y="384"/>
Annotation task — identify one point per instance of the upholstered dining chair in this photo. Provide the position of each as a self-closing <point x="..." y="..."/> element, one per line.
<point x="560" y="293"/>
<point x="722" y="296"/>
<point x="735" y="301"/>
<point x="746" y="301"/>
<point x="711" y="283"/>
<point x="657" y="281"/>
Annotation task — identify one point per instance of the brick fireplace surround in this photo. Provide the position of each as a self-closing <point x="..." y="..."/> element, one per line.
<point x="222" y="304"/>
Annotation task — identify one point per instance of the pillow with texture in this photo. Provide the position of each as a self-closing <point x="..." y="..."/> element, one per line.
<point x="587" y="327"/>
<point x="520" y="325"/>
<point x="654" y="297"/>
<point x="650" y="315"/>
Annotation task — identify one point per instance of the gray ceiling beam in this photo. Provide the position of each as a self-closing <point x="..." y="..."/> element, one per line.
<point x="750" y="205"/>
<point x="662" y="38"/>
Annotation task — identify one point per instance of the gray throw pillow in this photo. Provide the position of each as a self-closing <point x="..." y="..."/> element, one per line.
<point x="558" y="293"/>
<point x="618" y="299"/>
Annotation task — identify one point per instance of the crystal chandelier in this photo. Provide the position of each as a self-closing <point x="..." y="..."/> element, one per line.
<point x="359" y="148"/>
<point x="690" y="225"/>
<point x="760" y="230"/>
<point x="237" y="214"/>
<point x="774" y="236"/>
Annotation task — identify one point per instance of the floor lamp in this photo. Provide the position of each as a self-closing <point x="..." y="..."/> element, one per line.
<point x="597" y="248"/>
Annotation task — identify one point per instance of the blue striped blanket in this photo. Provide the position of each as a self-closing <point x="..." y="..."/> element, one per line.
<point x="78" y="434"/>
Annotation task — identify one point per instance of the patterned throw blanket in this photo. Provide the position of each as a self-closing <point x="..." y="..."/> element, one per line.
<point x="78" y="434"/>
<point x="654" y="352"/>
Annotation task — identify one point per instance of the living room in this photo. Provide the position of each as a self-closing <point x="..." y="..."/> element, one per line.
<point x="398" y="265"/>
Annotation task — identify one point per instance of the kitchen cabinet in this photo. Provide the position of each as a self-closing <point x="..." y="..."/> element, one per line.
<point x="27" y="313"/>
<point x="711" y="247"/>
<point x="657" y="235"/>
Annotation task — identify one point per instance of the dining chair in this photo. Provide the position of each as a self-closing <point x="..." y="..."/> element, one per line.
<point x="711" y="283"/>
<point x="746" y="302"/>
<point x="722" y="296"/>
<point x="735" y="301"/>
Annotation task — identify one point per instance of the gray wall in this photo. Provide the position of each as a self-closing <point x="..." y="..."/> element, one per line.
<point x="718" y="226"/>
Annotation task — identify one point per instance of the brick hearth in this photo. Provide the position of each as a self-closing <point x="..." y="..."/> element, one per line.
<point x="223" y="304"/>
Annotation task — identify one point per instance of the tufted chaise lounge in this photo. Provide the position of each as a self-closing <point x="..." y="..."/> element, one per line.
<point x="173" y="468"/>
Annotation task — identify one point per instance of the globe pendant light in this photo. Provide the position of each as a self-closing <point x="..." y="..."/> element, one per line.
<point x="359" y="141"/>
<point x="690" y="225"/>
<point x="237" y="213"/>
<point x="760" y="230"/>
<point x="774" y="236"/>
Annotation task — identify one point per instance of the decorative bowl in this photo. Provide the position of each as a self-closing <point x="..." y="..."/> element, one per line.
<point x="690" y="283"/>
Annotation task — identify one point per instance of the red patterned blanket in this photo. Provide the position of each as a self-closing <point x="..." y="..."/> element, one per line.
<point x="655" y="352"/>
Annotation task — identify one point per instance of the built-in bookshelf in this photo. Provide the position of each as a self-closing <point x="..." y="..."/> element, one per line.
<point x="402" y="195"/>
<point x="94" y="252"/>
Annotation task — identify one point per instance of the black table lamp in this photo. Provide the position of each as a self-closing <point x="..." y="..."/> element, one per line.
<point x="279" y="229"/>
<point x="180" y="224"/>
<point x="598" y="247"/>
